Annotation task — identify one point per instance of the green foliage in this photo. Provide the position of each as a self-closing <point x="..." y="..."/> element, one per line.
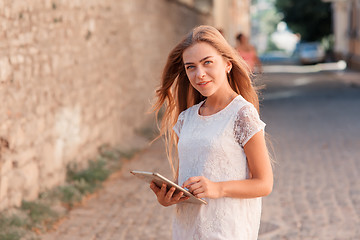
<point x="85" y="187"/>
<point x="311" y="18"/>
<point x="10" y="221"/>
<point x="129" y="154"/>
<point x="59" y="19"/>
<point x="113" y="156"/>
<point x="110" y="154"/>
<point x="270" y="19"/>
<point x="267" y="18"/>
<point x="328" y="42"/>
<point x="88" y="35"/>
<point x="84" y="181"/>
<point x="10" y="236"/>
<point x="9" y="227"/>
<point x="96" y="172"/>
<point x="70" y="195"/>
<point x="41" y="216"/>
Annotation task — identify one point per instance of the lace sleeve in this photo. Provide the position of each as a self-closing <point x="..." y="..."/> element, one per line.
<point x="178" y="125"/>
<point x="247" y="124"/>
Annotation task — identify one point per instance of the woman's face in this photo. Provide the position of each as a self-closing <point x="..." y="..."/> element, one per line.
<point x="206" y="69"/>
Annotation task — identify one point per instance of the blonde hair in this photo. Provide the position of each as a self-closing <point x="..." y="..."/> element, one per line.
<point x="177" y="94"/>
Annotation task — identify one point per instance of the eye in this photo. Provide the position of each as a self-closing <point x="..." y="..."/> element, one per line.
<point x="189" y="67"/>
<point x="207" y="62"/>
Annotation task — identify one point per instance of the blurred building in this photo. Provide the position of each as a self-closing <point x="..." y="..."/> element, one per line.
<point x="229" y="16"/>
<point x="346" y="19"/>
<point x="233" y="17"/>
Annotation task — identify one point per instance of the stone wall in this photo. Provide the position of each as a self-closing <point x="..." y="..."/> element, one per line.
<point x="74" y="75"/>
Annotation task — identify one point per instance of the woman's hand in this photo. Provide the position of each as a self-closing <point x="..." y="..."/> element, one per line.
<point x="202" y="187"/>
<point x="167" y="198"/>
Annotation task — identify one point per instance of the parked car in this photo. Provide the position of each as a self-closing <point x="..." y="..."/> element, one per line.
<point x="310" y="53"/>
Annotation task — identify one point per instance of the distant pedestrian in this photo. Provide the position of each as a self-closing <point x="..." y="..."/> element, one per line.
<point x="211" y="115"/>
<point x="248" y="53"/>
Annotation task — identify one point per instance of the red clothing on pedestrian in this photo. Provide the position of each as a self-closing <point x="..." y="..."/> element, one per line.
<point x="249" y="57"/>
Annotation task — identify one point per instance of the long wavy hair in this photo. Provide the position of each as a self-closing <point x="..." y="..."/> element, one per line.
<point x="176" y="94"/>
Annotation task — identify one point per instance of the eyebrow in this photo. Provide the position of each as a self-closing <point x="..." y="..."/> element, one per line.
<point x="203" y="59"/>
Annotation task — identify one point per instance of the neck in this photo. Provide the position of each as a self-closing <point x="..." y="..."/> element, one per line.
<point x="216" y="103"/>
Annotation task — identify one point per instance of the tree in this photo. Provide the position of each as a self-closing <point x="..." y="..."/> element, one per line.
<point x="311" y="18"/>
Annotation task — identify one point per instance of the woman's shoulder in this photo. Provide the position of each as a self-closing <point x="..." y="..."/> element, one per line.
<point x="245" y="111"/>
<point x="240" y="102"/>
<point x="190" y="110"/>
<point x="242" y="107"/>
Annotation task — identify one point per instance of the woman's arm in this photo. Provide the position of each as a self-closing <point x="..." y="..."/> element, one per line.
<point x="260" y="184"/>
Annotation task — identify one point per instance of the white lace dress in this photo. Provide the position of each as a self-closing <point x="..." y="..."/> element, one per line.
<point x="212" y="146"/>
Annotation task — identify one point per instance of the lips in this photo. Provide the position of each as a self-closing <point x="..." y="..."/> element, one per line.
<point x="203" y="83"/>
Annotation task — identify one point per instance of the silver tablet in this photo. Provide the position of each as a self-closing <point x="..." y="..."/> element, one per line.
<point x="159" y="180"/>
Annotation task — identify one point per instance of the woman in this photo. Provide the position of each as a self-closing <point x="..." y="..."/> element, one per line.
<point x="211" y="115"/>
<point x="248" y="52"/>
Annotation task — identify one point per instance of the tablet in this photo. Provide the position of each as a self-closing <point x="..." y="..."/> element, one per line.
<point x="159" y="180"/>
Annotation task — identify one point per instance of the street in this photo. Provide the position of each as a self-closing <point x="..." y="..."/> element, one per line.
<point x="313" y="123"/>
<point x="314" y="129"/>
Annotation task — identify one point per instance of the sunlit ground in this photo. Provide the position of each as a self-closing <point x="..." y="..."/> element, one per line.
<point x="333" y="66"/>
<point x="301" y="75"/>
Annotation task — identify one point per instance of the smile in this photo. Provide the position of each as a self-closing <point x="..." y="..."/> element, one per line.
<point x="203" y="83"/>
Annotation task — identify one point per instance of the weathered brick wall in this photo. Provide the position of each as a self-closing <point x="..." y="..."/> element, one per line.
<point x="76" y="74"/>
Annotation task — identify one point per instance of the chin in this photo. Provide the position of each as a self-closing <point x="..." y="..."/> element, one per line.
<point x="206" y="93"/>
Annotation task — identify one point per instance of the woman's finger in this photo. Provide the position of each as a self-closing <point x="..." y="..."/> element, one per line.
<point x="163" y="189"/>
<point x="182" y="199"/>
<point x="197" y="191"/>
<point x="191" y="181"/>
<point x="154" y="187"/>
<point x="178" y="196"/>
<point x="194" y="186"/>
<point x="170" y="193"/>
<point x="200" y="195"/>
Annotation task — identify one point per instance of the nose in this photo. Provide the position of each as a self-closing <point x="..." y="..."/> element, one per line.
<point x="200" y="74"/>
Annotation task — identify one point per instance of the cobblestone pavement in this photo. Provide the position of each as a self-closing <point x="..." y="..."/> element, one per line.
<point x="125" y="209"/>
<point x="313" y="122"/>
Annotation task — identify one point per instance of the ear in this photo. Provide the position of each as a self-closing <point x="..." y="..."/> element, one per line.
<point x="228" y="66"/>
